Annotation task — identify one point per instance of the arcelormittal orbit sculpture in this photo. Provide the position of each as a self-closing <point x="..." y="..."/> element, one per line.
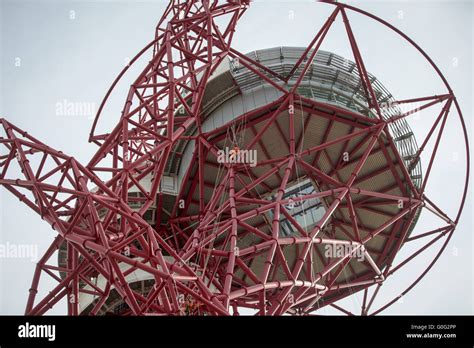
<point x="276" y="182"/>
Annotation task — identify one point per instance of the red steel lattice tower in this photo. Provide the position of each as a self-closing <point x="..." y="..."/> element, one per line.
<point x="199" y="202"/>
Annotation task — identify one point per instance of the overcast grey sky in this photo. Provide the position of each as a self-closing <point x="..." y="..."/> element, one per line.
<point x="70" y="51"/>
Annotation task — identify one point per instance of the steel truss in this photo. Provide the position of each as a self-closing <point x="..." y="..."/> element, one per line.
<point x="195" y="257"/>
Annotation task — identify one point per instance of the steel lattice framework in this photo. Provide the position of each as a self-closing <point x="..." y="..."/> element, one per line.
<point x="194" y="258"/>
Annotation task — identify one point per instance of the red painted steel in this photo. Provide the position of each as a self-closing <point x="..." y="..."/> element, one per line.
<point x="193" y="260"/>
